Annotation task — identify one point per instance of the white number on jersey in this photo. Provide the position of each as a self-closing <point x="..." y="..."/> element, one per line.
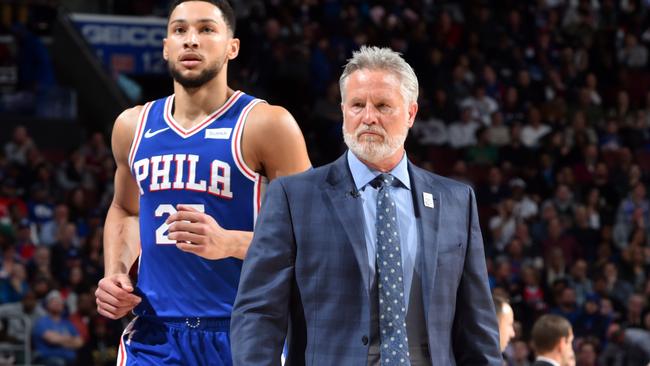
<point x="167" y="209"/>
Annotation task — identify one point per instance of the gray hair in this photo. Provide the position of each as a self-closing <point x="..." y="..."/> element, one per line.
<point x="375" y="58"/>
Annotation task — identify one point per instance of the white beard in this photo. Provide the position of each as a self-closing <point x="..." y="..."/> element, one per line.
<point x="368" y="148"/>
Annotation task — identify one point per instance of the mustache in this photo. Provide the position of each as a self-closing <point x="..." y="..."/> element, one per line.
<point x="369" y="128"/>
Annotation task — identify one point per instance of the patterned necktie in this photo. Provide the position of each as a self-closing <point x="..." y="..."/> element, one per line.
<point x="392" y="311"/>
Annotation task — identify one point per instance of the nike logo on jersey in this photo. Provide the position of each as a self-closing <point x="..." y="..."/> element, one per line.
<point x="149" y="134"/>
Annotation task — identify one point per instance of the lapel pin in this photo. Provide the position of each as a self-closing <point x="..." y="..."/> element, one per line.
<point x="428" y="199"/>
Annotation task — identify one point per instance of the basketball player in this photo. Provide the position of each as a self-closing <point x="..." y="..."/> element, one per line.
<point x="190" y="172"/>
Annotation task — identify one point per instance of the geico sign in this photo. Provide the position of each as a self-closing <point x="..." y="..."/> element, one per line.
<point x="123" y="35"/>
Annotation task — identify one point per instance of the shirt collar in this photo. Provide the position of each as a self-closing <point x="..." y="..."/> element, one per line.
<point x="551" y="361"/>
<point x="362" y="174"/>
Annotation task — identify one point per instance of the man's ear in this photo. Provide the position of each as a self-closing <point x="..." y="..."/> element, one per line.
<point x="233" y="48"/>
<point x="165" y="52"/>
<point x="413" y="110"/>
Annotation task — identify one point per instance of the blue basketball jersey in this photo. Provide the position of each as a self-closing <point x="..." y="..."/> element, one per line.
<point x="202" y="167"/>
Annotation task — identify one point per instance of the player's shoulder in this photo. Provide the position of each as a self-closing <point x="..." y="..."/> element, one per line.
<point x="267" y="122"/>
<point x="124" y="128"/>
<point x="269" y="116"/>
<point x="128" y="119"/>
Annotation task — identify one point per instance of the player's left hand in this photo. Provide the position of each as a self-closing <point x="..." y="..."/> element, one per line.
<point x="198" y="233"/>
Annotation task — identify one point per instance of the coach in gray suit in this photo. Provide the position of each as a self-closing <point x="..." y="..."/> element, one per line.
<point x="368" y="260"/>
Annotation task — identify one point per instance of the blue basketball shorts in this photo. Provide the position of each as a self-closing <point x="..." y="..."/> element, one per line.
<point x="175" y="341"/>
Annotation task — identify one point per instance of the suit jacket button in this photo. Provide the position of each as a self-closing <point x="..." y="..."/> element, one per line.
<point x="364" y="339"/>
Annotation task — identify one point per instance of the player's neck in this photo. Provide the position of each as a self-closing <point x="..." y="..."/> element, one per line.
<point x="191" y="106"/>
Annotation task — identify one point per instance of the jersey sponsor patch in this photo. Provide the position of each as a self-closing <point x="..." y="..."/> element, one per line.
<point x="218" y="133"/>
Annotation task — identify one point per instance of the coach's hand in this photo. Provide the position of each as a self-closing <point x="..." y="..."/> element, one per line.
<point x="198" y="233"/>
<point x="114" y="296"/>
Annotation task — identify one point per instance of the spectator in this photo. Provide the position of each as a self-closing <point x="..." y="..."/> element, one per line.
<point x="16" y="149"/>
<point x="14" y="288"/>
<point x="580" y="282"/>
<point x="617" y="289"/>
<point x="463" y="133"/>
<point x="481" y="105"/>
<point x="524" y="207"/>
<point x="40" y="265"/>
<point x="65" y="252"/>
<point x="55" y="338"/>
<point x="498" y="132"/>
<point x="443" y="108"/>
<point x="633" y="212"/>
<point x="74" y="173"/>
<point x="566" y="305"/>
<point x="483" y="153"/>
<point x="51" y="229"/>
<point x="632" y="54"/>
<point x="520" y="354"/>
<point x="25" y="243"/>
<point x="502" y="226"/>
<point x="634" y="267"/>
<point x="591" y="322"/>
<point x="564" y="203"/>
<point x="505" y="318"/>
<point x="587" y="237"/>
<point x="16" y="312"/>
<point x="587" y="353"/>
<point x="635" y="306"/>
<point x="552" y="339"/>
<point x="534" y="130"/>
<point x="558" y="238"/>
<point x="430" y="132"/>
<point x="493" y="191"/>
<point x="625" y="347"/>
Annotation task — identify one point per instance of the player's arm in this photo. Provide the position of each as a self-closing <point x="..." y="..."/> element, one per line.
<point x="121" y="231"/>
<point x="272" y="145"/>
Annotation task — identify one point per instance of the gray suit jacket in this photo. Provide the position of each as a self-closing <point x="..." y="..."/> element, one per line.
<point x="306" y="275"/>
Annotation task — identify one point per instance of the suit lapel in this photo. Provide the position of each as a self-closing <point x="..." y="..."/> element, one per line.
<point x="428" y="219"/>
<point x="350" y="212"/>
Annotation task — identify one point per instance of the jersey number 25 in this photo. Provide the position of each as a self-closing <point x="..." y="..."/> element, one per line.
<point x="167" y="209"/>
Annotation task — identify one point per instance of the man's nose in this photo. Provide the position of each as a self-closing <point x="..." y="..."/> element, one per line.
<point x="192" y="39"/>
<point x="369" y="115"/>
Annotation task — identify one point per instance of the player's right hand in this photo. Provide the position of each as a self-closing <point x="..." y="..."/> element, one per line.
<point x="114" y="296"/>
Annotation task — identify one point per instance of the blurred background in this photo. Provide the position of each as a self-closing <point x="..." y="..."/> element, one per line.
<point x="542" y="106"/>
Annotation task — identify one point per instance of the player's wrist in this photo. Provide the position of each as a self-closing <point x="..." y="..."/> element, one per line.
<point x="240" y="242"/>
<point x="116" y="270"/>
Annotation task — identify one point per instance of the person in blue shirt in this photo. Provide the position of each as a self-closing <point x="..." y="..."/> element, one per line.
<point x="55" y="338"/>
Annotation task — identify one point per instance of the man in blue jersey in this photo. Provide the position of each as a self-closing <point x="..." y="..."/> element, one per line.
<point x="190" y="173"/>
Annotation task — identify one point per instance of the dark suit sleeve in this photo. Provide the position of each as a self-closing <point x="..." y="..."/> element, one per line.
<point x="475" y="333"/>
<point x="260" y="315"/>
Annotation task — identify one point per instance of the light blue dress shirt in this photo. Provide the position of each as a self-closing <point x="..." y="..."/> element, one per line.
<point x="407" y="226"/>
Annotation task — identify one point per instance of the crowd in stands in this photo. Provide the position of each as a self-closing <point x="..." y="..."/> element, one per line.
<point x="542" y="106"/>
<point x="28" y="83"/>
<point x="51" y="217"/>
